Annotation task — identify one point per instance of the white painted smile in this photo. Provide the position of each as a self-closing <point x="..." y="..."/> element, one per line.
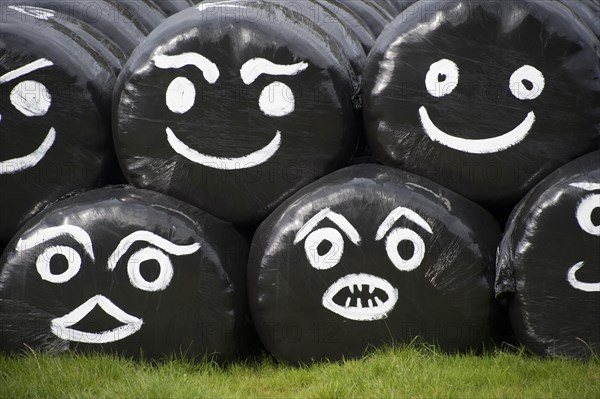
<point x="15" y="165"/>
<point x="580" y="285"/>
<point x="60" y="326"/>
<point x="248" y="161"/>
<point x="477" y="146"/>
<point x="363" y="299"/>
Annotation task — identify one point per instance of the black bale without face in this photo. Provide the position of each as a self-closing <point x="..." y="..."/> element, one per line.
<point x="485" y="98"/>
<point x="233" y="108"/>
<point x="367" y="256"/>
<point x="127" y="271"/>
<point x="549" y="263"/>
<point x="54" y="117"/>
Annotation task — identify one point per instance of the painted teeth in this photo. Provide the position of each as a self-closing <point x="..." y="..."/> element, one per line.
<point x="351" y="287"/>
<point x="348" y="302"/>
<point x="370" y="302"/>
<point x="378" y="301"/>
<point x="371" y="289"/>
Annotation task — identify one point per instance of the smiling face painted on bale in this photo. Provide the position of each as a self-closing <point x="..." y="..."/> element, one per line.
<point x="124" y="270"/>
<point x="275" y="100"/>
<point x="588" y="218"/>
<point x="31" y="99"/>
<point x="494" y="95"/>
<point x="240" y="105"/>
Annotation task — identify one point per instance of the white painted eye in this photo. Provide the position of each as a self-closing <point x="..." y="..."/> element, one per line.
<point x="527" y="83"/>
<point x="31" y="98"/>
<point x="392" y="242"/>
<point x="44" y="261"/>
<point x="442" y="78"/>
<point x="584" y="214"/>
<point x="181" y="95"/>
<point x="134" y="265"/>
<point x="277" y="99"/>
<point x="324" y="248"/>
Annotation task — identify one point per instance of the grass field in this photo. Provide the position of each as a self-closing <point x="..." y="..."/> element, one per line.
<point x="414" y="371"/>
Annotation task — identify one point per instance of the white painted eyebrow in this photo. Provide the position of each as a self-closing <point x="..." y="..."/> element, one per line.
<point x="150" y="238"/>
<point x="25" y="69"/>
<point x="255" y="67"/>
<point x="40" y="237"/>
<point x="209" y="69"/>
<point x="336" y="218"/>
<point x="397" y="214"/>
<point x="587" y="186"/>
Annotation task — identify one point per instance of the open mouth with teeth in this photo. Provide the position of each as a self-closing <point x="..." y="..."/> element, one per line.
<point x="248" y="161"/>
<point x="61" y="325"/>
<point x="477" y="146"/>
<point x="361" y="297"/>
<point x="28" y="161"/>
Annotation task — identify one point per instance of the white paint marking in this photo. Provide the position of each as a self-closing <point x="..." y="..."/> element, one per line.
<point x="333" y="255"/>
<point x="451" y="74"/>
<point x="277" y="99"/>
<point x="42" y="264"/>
<point x="248" y="161"/>
<point x="391" y="247"/>
<point x="210" y="71"/>
<point x="359" y="313"/>
<point x="588" y="186"/>
<point x="151" y="238"/>
<point x="60" y="326"/>
<point x="15" y="165"/>
<point x="35" y="12"/>
<point x="181" y="95"/>
<point x="255" y="67"/>
<point x="584" y="214"/>
<point x="336" y="218"/>
<point x="25" y="69"/>
<point x="44" y="235"/>
<point x="477" y="146"/>
<point x="579" y="285"/>
<point x="135" y="276"/>
<point x="531" y="74"/>
<point x="395" y="215"/>
<point x="31" y="98"/>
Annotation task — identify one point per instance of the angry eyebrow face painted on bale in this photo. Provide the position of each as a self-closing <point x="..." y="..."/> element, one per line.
<point x="484" y="97"/>
<point x="367" y="256"/>
<point x="128" y="271"/>
<point x="233" y="107"/>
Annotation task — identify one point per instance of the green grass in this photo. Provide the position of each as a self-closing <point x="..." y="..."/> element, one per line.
<point x="414" y="371"/>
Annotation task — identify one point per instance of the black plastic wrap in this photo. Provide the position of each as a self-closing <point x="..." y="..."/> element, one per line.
<point x="352" y="20"/>
<point x="145" y="11"/>
<point x="588" y="11"/>
<point x="370" y="11"/>
<point x="484" y="97"/>
<point x="126" y="271"/>
<point x="55" y="133"/>
<point x="333" y="25"/>
<point x="171" y="7"/>
<point x="107" y="16"/>
<point x="548" y="267"/>
<point x="371" y="255"/>
<point x="232" y="107"/>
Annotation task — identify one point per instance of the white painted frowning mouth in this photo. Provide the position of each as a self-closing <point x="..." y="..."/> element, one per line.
<point x="60" y="326"/>
<point x="248" y="161"/>
<point x="15" y="165"/>
<point x="477" y="146"/>
<point x="354" y="288"/>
